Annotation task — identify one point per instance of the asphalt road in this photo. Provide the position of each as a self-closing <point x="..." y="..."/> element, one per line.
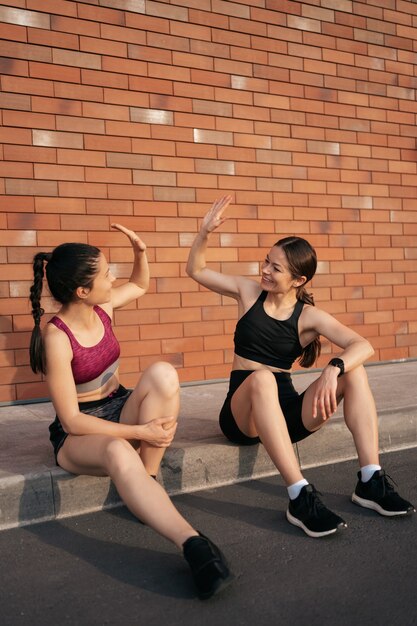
<point x="107" y="569"/>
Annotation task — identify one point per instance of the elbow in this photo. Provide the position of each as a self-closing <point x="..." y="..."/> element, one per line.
<point x="190" y="271"/>
<point x="145" y="285"/>
<point x="368" y="349"/>
<point x="371" y="350"/>
<point x="68" y="423"/>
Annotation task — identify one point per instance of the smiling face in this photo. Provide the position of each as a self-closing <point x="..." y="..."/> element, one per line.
<point x="100" y="292"/>
<point x="276" y="277"/>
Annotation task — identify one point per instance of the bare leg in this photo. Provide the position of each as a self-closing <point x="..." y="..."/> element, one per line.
<point x="99" y="455"/>
<point x="257" y="412"/>
<point x="155" y="395"/>
<point x="359" y="413"/>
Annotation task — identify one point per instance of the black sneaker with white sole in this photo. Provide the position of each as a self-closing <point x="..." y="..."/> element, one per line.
<point x="308" y="512"/>
<point x="379" y="495"/>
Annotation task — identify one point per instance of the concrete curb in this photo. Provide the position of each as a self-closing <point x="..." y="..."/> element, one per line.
<point x="55" y="494"/>
<point x="32" y="490"/>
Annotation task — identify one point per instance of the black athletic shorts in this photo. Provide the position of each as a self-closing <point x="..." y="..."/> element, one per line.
<point x="108" y="408"/>
<point x="290" y="401"/>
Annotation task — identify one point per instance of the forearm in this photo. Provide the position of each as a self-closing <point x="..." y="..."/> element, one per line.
<point x="84" y="424"/>
<point x="197" y="257"/>
<point x="140" y="270"/>
<point x="355" y="354"/>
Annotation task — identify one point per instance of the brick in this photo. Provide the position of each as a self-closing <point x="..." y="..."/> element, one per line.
<point x="211" y="136"/>
<point x="57" y="139"/>
<point x="81" y="190"/>
<point x="55" y="105"/>
<point x="110" y="16"/>
<point x="107" y="143"/>
<point x="80" y="157"/>
<point x="80" y="125"/>
<point x="127" y="129"/>
<point x="15" y="101"/>
<point x="60" y="7"/>
<point x="60" y="205"/>
<point x="25" y="51"/>
<point x="127" y="192"/>
<point x="13" y="32"/>
<point x="100" y="46"/>
<point x="58" y="172"/>
<point x="31" y="187"/>
<point x="10" y="169"/>
<point x="28" y="120"/>
<point x="33" y="221"/>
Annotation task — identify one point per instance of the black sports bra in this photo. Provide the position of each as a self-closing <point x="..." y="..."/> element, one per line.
<point x="261" y="338"/>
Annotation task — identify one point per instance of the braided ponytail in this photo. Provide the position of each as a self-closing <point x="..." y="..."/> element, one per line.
<point x="302" y="261"/>
<point x="36" y="349"/>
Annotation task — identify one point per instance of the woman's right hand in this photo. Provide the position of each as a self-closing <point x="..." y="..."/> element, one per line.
<point x="214" y="217"/>
<point x="158" y="432"/>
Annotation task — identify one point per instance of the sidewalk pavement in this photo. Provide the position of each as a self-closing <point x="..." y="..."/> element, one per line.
<point x="34" y="489"/>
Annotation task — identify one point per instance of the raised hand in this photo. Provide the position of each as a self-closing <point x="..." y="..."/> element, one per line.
<point x="214" y="217"/>
<point x="135" y="240"/>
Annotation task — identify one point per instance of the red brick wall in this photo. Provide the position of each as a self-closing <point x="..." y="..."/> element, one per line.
<point x="144" y="112"/>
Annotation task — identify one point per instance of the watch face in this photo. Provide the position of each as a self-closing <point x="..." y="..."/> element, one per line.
<point x="338" y="363"/>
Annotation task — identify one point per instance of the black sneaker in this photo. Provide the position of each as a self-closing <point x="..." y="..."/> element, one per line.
<point x="208" y="565"/>
<point x="379" y="494"/>
<point x="308" y="512"/>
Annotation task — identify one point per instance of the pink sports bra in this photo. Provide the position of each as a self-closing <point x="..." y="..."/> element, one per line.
<point x="91" y="363"/>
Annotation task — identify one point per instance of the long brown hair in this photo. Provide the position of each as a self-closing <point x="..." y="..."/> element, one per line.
<point x="302" y="261"/>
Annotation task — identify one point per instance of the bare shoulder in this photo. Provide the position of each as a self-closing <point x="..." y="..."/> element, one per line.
<point x="56" y="341"/>
<point x="107" y="308"/>
<point x="249" y="290"/>
<point x="311" y="314"/>
<point x="314" y="321"/>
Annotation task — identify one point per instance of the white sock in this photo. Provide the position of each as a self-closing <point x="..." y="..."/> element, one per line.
<point x="294" y="490"/>
<point x="368" y="471"/>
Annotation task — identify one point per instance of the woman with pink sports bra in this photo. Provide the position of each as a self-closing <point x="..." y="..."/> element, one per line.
<point x="100" y="427"/>
<point x="278" y="323"/>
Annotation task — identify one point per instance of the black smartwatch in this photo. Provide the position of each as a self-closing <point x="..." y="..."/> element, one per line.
<point x="338" y="363"/>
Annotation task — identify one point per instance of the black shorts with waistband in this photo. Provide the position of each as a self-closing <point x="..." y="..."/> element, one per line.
<point x="108" y="408"/>
<point x="290" y="400"/>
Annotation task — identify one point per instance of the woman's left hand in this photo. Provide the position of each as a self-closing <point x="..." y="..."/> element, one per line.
<point x="135" y="240"/>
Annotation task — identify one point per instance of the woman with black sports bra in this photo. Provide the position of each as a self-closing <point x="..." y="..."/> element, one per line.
<point x="101" y="428"/>
<point x="278" y="323"/>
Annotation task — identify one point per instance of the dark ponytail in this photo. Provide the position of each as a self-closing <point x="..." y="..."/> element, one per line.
<point x="69" y="266"/>
<point x="302" y="261"/>
<point x="37" y="350"/>
<point x="312" y="351"/>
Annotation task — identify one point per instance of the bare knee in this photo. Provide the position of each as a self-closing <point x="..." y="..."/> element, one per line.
<point x="356" y="376"/>
<point x="120" y="458"/>
<point x="163" y="378"/>
<point x="262" y="382"/>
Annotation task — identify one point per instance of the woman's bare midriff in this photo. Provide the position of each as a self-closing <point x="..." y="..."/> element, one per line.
<point x="240" y="363"/>
<point x="102" y="392"/>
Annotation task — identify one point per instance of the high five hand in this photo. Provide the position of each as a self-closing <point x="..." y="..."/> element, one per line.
<point x="214" y="218"/>
<point x="135" y="240"/>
